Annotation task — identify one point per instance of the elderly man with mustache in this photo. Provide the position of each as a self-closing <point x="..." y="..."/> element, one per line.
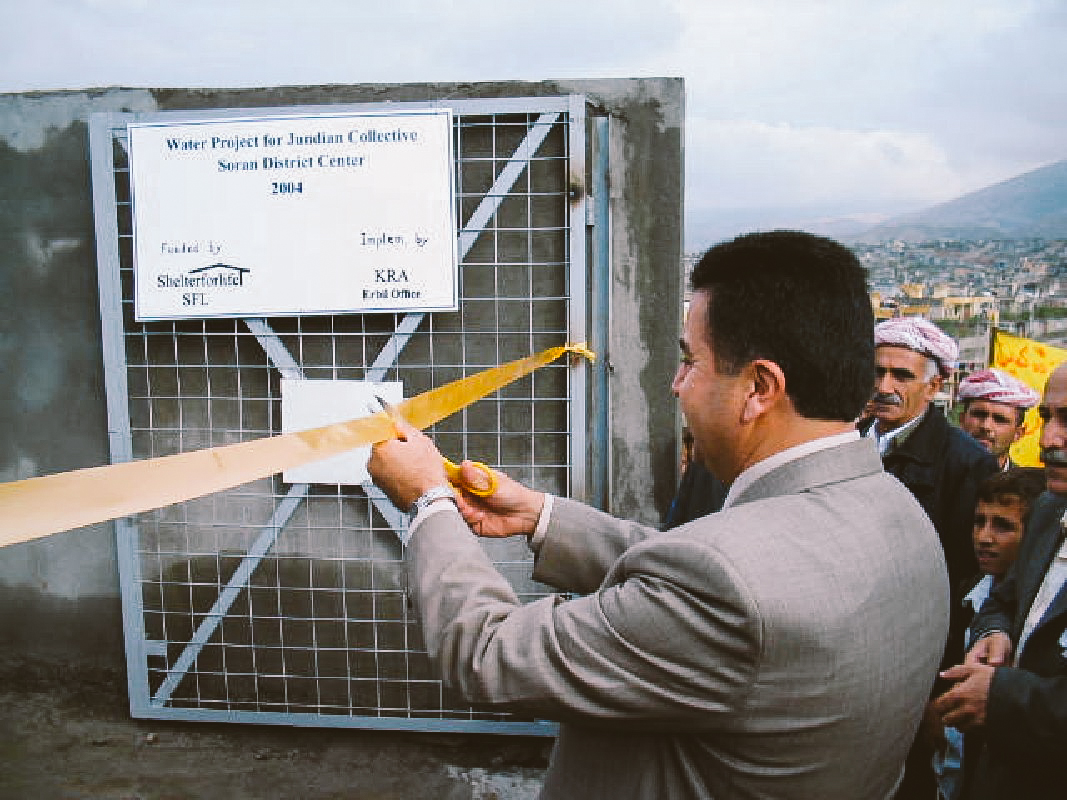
<point x="1013" y="682"/>
<point x="940" y="465"/>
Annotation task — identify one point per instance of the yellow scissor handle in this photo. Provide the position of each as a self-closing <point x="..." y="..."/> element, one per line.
<point x="456" y="478"/>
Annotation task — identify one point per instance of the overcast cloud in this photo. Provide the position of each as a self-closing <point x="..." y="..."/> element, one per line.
<point x="797" y="110"/>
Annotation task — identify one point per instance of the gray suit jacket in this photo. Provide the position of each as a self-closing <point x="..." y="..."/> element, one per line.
<point x="783" y="647"/>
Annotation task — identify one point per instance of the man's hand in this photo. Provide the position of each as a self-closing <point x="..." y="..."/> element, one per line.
<point x="512" y="510"/>
<point x="932" y="729"/>
<point x="994" y="650"/>
<point x="405" y="467"/>
<point x="964" y="705"/>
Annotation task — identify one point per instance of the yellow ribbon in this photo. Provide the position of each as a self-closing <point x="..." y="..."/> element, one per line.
<point x="36" y="507"/>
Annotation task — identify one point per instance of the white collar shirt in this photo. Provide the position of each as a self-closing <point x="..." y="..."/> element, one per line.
<point x="885" y="440"/>
<point x="761" y="468"/>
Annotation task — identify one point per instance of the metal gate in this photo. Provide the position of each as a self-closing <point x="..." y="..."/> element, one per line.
<point x="285" y="603"/>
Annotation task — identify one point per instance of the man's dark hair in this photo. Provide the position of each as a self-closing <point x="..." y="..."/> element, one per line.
<point x="1020" y="413"/>
<point x="1025" y="483"/>
<point x="800" y="301"/>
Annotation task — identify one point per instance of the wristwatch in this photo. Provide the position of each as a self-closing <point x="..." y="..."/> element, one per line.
<point x="432" y="495"/>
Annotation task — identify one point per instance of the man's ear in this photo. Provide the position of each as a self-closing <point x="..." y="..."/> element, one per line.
<point x="767" y="388"/>
<point x="933" y="386"/>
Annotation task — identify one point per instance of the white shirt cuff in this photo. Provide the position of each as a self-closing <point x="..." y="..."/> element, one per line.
<point x="538" y="535"/>
<point x="444" y="504"/>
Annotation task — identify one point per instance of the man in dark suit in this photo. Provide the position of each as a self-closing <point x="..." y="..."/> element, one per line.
<point x="1013" y="682"/>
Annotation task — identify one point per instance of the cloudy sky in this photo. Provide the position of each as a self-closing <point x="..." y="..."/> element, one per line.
<point x="798" y="111"/>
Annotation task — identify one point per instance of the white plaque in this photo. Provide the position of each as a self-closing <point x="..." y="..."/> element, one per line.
<point x="290" y="215"/>
<point x="310" y="404"/>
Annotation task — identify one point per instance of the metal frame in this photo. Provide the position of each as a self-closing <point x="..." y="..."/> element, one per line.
<point x="158" y="702"/>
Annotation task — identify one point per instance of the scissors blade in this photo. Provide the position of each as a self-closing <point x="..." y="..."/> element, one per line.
<point x="391" y="411"/>
<point x="455" y="475"/>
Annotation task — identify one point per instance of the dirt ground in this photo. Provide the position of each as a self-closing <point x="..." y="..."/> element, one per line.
<point x="67" y="735"/>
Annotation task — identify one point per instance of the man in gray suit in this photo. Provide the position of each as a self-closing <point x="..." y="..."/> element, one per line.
<point x="1012" y="685"/>
<point x="783" y="647"/>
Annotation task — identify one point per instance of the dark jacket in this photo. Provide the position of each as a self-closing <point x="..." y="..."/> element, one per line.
<point x="1026" y="715"/>
<point x="942" y="466"/>
<point x="699" y="493"/>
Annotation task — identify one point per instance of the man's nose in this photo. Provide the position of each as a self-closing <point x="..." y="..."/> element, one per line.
<point x="1053" y="434"/>
<point x="983" y="532"/>
<point x="884" y="383"/>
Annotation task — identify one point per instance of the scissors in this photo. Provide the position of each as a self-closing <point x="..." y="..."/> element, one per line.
<point x="455" y="476"/>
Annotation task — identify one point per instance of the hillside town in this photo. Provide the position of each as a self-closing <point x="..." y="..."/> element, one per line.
<point x="968" y="287"/>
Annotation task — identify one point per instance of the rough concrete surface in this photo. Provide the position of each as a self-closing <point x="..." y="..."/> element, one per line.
<point x="69" y="736"/>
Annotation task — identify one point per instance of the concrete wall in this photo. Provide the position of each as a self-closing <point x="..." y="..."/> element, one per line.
<point x="59" y="596"/>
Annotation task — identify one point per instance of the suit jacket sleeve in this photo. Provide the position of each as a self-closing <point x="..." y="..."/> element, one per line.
<point x="1027" y="715"/>
<point x="611" y="655"/>
<point x="998" y="611"/>
<point x="576" y="557"/>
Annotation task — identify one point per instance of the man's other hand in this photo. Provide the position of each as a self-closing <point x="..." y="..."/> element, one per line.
<point x="964" y="705"/>
<point x="512" y="510"/>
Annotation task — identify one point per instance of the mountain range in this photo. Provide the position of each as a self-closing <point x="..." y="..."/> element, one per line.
<point x="1031" y="205"/>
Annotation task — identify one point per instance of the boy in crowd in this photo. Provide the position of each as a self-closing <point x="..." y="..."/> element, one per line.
<point x="1000" y="516"/>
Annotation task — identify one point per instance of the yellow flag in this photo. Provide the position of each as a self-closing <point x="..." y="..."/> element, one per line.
<point x="1031" y="362"/>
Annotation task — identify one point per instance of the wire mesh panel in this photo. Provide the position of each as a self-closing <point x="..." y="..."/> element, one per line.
<point x="286" y="603"/>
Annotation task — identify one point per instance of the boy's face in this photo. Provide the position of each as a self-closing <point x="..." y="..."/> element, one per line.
<point x="998" y="529"/>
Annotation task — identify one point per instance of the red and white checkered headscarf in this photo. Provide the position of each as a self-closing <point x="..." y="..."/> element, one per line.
<point x="922" y="336"/>
<point x="998" y="386"/>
